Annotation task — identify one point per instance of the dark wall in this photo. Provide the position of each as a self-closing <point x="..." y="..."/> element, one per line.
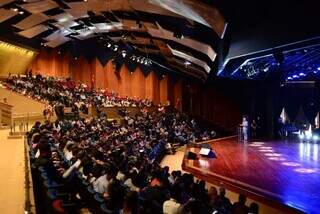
<point x="223" y="102"/>
<point x="214" y="101"/>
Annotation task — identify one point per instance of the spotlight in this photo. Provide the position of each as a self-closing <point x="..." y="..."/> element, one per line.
<point x="14" y="9"/>
<point x="301" y="74"/>
<point x="295" y="76"/>
<point x="318" y="68"/>
<point x="21" y="12"/>
<point x="124" y="53"/>
<point x="109" y="45"/>
<point x="187" y="63"/>
<point x="178" y="34"/>
<point x="115" y="48"/>
<point x="146" y="62"/>
<point x="315" y="137"/>
<point x="289" y="78"/>
<point x="138" y="59"/>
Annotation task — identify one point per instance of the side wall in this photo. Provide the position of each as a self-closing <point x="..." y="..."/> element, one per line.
<point x="14" y="59"/>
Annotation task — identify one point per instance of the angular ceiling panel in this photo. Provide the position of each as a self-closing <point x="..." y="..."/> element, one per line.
<point x="180" y="8"/>
<point x="63" y="17"/>
<point x="55" y="43"/>
<point x="84" y="34"/>
<point x="189" y="58"/>
<point x="34" y="31"/>
<point x="199" y="46"/>
<point x="58" y="35"/>
<point x="31" y="21"/>
<point x="39" y="6"/>
<point x="80" y="9"/>
<point x="4" y="2"/>
<point x="6" y="14"/>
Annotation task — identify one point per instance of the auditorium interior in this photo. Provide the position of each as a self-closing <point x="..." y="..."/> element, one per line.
<point x="159" y="106"/>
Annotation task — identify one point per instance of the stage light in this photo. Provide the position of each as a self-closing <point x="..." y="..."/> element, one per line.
<point x="289" y="78"/>
<point x="295" y="76"/>
<point x="187" y="63"/>
<point x="301" y="74"/>
<point x="124" y="53"/>
<point x="21" y="12"/>
<point x="318" y="68"/>
<point x="115" y="48"/>
<point x="315" y="137"/>
<point x="109" y="45"/>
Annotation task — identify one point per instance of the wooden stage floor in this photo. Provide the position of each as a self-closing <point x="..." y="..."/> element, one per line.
<point x="281" y="173"/>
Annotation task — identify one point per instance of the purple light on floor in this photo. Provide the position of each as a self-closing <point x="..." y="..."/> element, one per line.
<point x="266" y="147"/>
<point x="277" y="158"/>
<point x="290" y="164"/>
<point x="266" y="150"/>
<point x="305" y="170"/>
<point x="272" y="154"/>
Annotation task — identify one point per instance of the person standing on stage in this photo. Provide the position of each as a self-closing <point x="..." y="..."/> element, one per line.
<point x="245" y="127"/>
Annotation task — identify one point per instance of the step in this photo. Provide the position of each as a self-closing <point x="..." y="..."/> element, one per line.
<point x="10" y="137"/>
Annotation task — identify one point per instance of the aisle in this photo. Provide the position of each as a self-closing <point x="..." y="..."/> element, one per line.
<point x="11" y="174"/>
<point x="174" y="161"/>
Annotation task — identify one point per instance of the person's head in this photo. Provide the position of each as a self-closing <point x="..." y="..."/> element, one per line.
<point x="222" y="191"/>
<point x="131" y="201"/>
<point x="254" y="208"/>
<point x="212" y="192"/>
<point x="242" y="199"/>
<point x="111" y="172"/>
<point x="175" y="192"/>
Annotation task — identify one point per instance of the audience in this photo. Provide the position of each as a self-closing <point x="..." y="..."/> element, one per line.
<point x="119" y="160"/>
<point x="67" y="93"/>
<point x="240" y="206"/>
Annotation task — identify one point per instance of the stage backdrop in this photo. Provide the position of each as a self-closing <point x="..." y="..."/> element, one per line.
<point x="159" y="89"/>
<point x="14" y="59"/>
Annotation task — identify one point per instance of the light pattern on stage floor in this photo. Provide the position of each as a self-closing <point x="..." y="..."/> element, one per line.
<point x="287" y="171"/>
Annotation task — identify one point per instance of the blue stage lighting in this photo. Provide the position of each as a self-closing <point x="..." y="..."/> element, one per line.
<point x="318" y="68"/>
<point x="301" y="74"/>
<point x="295" y="76"/>
<point x="315" y="137"/>
<point x="289" y="78"/>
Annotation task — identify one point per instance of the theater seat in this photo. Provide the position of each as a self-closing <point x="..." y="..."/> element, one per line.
<point x="104" y="209"/>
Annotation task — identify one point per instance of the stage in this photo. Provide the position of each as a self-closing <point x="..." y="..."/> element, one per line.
<point x="285" y="174"/>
